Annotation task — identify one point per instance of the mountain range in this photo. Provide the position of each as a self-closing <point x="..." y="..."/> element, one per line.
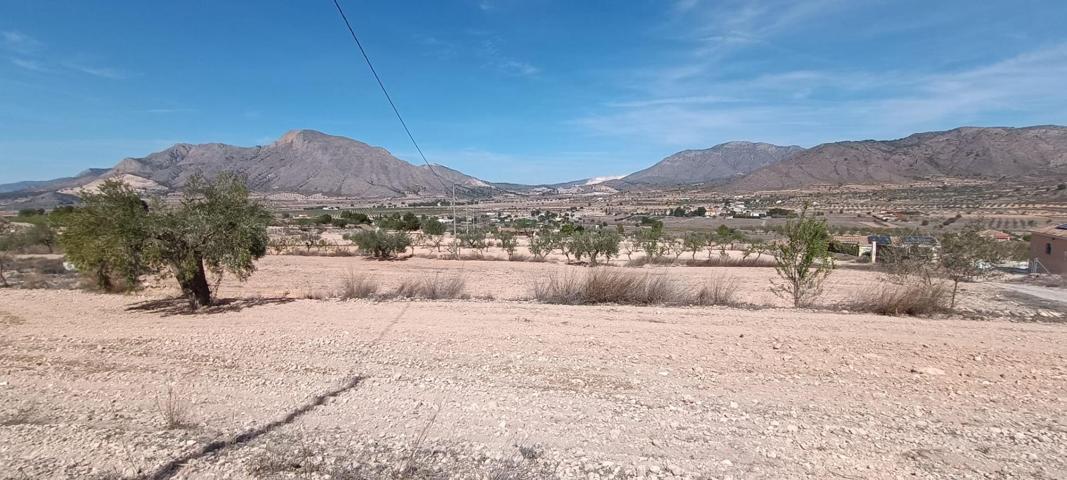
<point x="981" y="153"/>
<point x="309" y="162"/>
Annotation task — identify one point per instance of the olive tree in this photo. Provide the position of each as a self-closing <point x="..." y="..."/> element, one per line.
<point x="216" y="228"/>
<point x="802" y="260"/>
<point x="435" y="231"/>
<point x="595" y="244"/>
<point x="508" y="242"/>
<point x="651" y="241"/>
<point x="693" y="242"/>
<point x="107" y="235"/>
<point x="541" y="244"/>
<point x="380" y="243"/>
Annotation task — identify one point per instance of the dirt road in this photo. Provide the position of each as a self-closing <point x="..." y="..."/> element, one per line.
<point x="587" y="392"/>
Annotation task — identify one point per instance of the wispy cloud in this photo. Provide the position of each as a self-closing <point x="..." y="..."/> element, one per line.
<point x="98" y="71"/>
<point x="437" y="47"/>
<point x="809" y="106"/>
<point x="27" y="64"/>
<point x="29" y="54"/>
<point x="18" y="42"/>
<point x="167" y="111"/>
<point x="497" y="59"/>
<point x="688" y="100"/>
<point x="516" y="67"/>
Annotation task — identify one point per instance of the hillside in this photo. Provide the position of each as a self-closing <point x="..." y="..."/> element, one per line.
<point x="724" y="161"/>
<point x="301" y="161"/>
<point x="968" y="152"/>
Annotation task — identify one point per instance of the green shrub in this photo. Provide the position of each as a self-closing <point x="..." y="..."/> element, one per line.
<point x="379" y="243"/>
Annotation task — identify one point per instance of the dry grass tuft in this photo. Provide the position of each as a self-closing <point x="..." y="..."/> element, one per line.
<point x="720" y="261"/>
<point x="917" y="299"/>
<point x="173" y="410"/>
<point x="356" y="286"/>
<point x="717" y="291"/>
<point x="608" y="285"/>
<point x="642" y="261"/>
<point x="311" y="294"/>
<point x="438" y="287"/>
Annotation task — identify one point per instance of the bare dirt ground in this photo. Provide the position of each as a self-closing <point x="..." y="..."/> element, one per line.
<point x="276" y="387"/>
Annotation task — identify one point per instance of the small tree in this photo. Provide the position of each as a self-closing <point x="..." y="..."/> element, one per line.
<point x="435" y="231"/>
<point x="693" y="242"/>
<point x="803" y="260"/>
<point x="106" y="237"/>
<point x="595" y="244"/>
<point x="508" y="243"/>
<point x="9" y="242"/>
<point x="651" y="241"/>
<point x="629" y="247"/>
<point x="674" y="246"/>
<point x="541" y="244"/>
<point x="41" y="234"/>
<point x="474" y="238"/>
<point x="967" y="256"/>
<point x="725" y="237"/>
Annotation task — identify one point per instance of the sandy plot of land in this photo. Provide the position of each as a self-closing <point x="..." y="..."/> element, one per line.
<point x="601" y="392"/>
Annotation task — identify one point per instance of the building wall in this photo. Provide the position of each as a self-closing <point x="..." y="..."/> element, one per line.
<point x="1054" y="262"/>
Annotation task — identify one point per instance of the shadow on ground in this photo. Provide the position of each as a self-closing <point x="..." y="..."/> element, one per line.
<point x="180" y="306"/>
<point x="172" y="467"/>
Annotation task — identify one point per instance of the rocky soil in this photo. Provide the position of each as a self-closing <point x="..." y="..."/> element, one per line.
<point x="284" y="388"/>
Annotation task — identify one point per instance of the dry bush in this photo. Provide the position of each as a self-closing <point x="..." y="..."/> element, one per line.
<point x="43" y="265"/>
<point x="720" y="261"/>
<point x="285" y="461"/>
<point x="401" y="461"/>
<point x="357" y="286"/>
<point x="435" y="288"/>
<point x="173" y="409"/>
<point x="718" y="291"/>
<point x="608" y="285"/>
<point x="312" y="294"/>
<point x="915" y="299"/>
<point x="642" y="261"/>
<point x="34" y="280"/>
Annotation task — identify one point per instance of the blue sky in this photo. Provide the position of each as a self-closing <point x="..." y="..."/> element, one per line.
<point x="524" y="91"/>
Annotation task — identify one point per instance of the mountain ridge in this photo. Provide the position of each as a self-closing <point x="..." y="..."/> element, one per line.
<point x="300" y="161"/>
<point x="720" y="162"/>
<point x="963" y="152"/>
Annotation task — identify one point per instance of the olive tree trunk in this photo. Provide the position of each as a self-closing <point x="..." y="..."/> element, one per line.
<point x="196" y="287"/>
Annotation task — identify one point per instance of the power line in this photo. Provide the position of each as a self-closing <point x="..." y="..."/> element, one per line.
<point x="400" y="117"/>
<point x="381" y="85"/>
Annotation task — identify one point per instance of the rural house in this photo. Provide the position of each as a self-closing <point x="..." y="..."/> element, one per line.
<point x="1048" y="250"/>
